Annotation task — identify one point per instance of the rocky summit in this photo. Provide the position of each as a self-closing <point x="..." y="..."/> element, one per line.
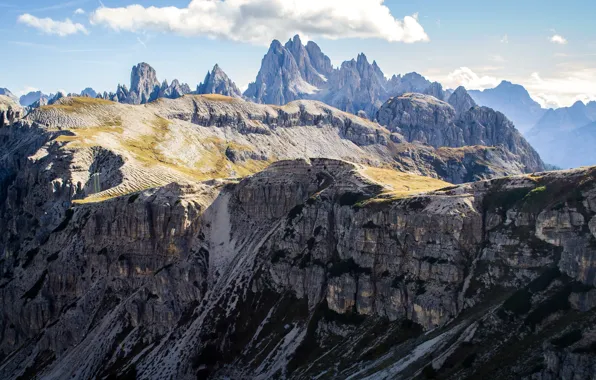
<point x="458" y="123"/>
<point x="294" y="71"/>
<point x="144" y="88"/>
<point x="217" y="82"/>
<point x="208" y="237"/>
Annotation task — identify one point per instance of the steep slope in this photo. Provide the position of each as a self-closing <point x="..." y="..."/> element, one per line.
<point x="357" y="86"/>
<point x="217" y="82"/>
<point x="279" y="80"/>
<point x="294" y="71"/>
<point x="428" y="120"/>
<point x="461" y="101"/>
<point x="514" y="101"/>
<point x="317" y="268"/>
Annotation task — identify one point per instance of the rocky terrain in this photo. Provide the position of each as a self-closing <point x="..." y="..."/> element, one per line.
<point x="10" y="111"/>
<point x="145" y="87"/>
<point x="125" y="256"/>
<point x="295" y="71"/>
<point x="210" y="237"/>
<point x="458" y="123"/>
<point x="217" y="82"/>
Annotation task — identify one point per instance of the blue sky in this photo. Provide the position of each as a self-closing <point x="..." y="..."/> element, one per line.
<point x="548" y="46"/>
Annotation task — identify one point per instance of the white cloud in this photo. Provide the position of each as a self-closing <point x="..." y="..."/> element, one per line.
<point x="259" y="21"/>
<point x="49" y="26"/>
<point x="558" y="39"/>
<point x="505" y="39"/>
<point x="564" y="88"/>
<point x="464" y="76"/>
<point x="572" y="82"/>
<point x="79" y="11"/>
<point x="26" y="90"/>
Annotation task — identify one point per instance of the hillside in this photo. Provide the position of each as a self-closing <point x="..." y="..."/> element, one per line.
<point x="197" y="138"/>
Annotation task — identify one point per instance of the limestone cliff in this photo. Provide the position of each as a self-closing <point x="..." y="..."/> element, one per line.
<point x="431" y="121"/>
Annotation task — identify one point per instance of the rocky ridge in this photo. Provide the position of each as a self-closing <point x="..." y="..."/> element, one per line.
<point x="10" y="111"/>
<point x="145" y="87"/>
<point x="217" y="82"/>
<point x="428" y="120"/>
<point x="294" y="71"/>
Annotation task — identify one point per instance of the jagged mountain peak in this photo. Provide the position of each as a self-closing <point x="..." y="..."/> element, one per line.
<point x="275" y="45"/>
<point x="460" y="100"/>
<point x="217" y="82"/>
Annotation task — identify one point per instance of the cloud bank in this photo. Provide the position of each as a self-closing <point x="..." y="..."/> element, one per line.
<point x="259" y="21"/>
<point x="49" y="26"/>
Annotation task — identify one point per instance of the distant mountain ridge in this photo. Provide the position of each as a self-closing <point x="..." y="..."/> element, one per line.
<point x="295" y="71"/>
<point x="564" y="135"/>
<point x="514" y="101"/>
<point x="457" y="123"/>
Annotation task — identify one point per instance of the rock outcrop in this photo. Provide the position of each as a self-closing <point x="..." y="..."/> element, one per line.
<point x="428" y="120"/>
<point x="144" y="86"/>
<point x="461" y="101"/>
<point x="10" y="111"/>
<point x="279" y="80"/>
<point x="294" y="71"/>
<point x="436" y="90"/>
<point x="217" y="82"/>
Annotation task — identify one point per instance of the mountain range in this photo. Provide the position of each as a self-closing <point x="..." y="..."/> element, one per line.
<point x="161" y="233"/>
<point x="210" y="237"/>
<point x="294" y="71"/>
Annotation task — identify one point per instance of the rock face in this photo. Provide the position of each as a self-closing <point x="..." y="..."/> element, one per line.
<point x="217" y="82"/>
<point x="514" y="101"/>
<point x="426" y="119"/>
<point x="461" y="101"/>
<point x="279" y="80"/>
<point x="10" y="111"/>
<point x="436" y="90"/>
<point x="307" y="269"/>
<point x="144" y="86"/>
<point x="411" y="82"/>
<point x="294" y="71"/>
